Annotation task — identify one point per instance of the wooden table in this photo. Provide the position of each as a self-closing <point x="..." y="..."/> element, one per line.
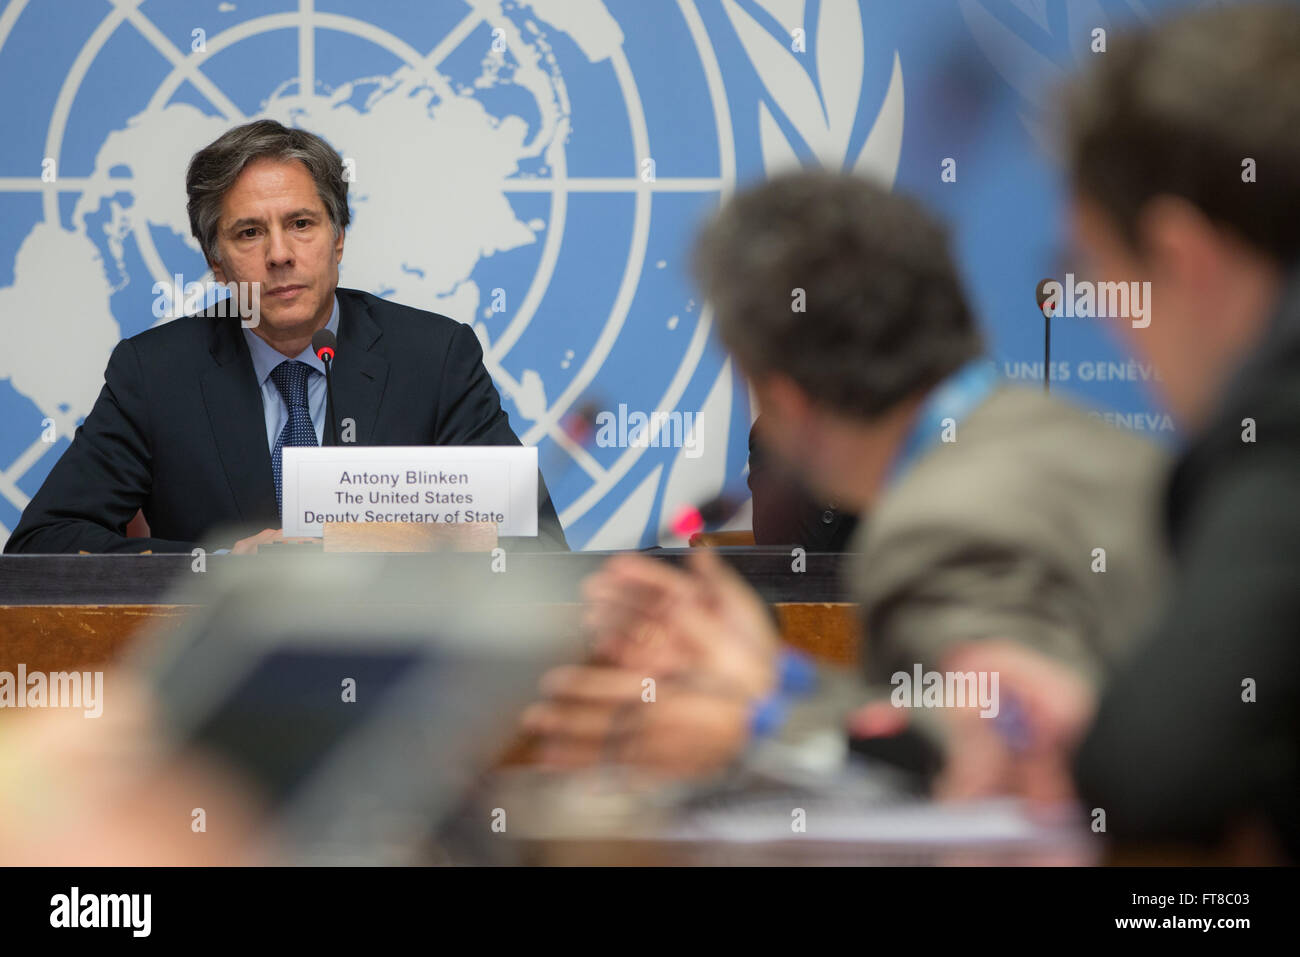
<point x="68" y="612"/>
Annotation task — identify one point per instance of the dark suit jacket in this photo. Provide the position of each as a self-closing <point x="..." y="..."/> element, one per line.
<point x="179" y="432"/>
<point x="1178" y="752"/>
<point x="786" y="514"/>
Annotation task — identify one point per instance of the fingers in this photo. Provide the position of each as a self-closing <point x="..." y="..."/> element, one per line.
<point x="612" y="614"/>
<point x="247" y="546"/>
<point x="626" y="639"/>
<point x="715" y="573"/>
<point x="587" y="715"/>
<point x="583" y="706"/>
<point x="688" y="735"/>
<point x="563" y="754"/>
<point x="704" y="622"/>
<point x="594" y="685"/>
<point x="879" y="719"/>
<point x="570" y="721"/>
<point x="615" y="608"/>
<point x="637" y="581"/>
<point x="1048" y="701"/>
<point x="733" y="599"/>
<point x="1057" y="702"/>
<point x="598" y="716"/>
<point x="978" y="763"/>
<point x="632" y="605"/>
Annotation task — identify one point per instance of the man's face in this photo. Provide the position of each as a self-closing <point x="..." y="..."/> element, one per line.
<point x="1103" y="255"/>
<point x="1210" y="296"/>
<point x="840" y="459"/>
<point x="274" y="231"/>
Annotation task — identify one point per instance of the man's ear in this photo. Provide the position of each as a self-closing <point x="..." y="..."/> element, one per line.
<point x="218" y="273"/>
<point x="1178" y="241"/>
<point x="783" y="395"/>
<point x="338" y="248"/>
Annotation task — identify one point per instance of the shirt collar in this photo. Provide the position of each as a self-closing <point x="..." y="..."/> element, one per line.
<point x="954" y="398"/>
<point x="266" y="357"/>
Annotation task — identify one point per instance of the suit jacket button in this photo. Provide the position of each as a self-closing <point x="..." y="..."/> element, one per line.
<point x="828" y="516"/>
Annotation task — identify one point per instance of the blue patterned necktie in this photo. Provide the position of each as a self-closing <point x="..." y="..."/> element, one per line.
<point x="290" y="377"/>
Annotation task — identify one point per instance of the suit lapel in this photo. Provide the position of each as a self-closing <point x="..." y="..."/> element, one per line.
<point x="360" y="371"/>
<point x="234" y="403"/>
<point x="233" y="400"/>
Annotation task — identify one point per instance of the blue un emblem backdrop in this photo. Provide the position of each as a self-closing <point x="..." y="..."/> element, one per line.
<point x="535" y="170"/>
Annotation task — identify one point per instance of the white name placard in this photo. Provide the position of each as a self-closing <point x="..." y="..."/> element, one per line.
<point x="450" y="484"/>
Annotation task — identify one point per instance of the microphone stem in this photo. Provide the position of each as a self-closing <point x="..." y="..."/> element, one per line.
<point x="1047" y="352"/>
<point x="329" y="397"/>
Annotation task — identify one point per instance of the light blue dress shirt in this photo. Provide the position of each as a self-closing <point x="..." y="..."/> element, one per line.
<point x="265" y="358"/>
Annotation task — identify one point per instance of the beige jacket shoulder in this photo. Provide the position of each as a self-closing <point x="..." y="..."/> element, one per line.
<point x="1003" y="532"/>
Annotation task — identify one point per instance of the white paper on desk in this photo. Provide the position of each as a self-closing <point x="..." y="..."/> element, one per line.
<point x="448" y="484"/>
<point x="994" y="821"/>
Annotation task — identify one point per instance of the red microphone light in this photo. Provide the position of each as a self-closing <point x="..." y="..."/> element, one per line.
<point x="688" y="521"/>
<point x="1046" y="302"/>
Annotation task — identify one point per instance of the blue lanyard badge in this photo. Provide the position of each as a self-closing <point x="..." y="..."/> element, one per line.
<point x="954" y="398"/>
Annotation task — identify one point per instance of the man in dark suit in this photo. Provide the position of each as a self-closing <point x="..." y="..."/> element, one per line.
<point x="194" y="414"/>
<point x="785" y="512"/>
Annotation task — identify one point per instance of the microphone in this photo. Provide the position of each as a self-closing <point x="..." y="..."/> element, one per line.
<point x="1046" y="305"/>
<point x="323" y="343"/>
<point x="690" y="519"/>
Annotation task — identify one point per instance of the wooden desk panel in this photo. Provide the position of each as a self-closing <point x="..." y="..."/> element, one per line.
<point x="73" y="637"/>
<point x="827" y="631"/>
<point x="67" y="612"/>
